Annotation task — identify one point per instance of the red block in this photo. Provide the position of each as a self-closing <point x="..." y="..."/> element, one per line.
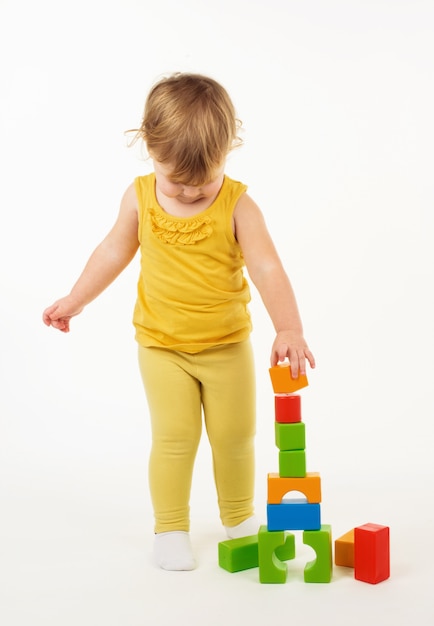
<point x="371" y="553"/>
<point x="287" y="408"/>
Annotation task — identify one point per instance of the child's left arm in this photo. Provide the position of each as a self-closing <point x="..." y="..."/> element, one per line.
<point x="269" y="277"/>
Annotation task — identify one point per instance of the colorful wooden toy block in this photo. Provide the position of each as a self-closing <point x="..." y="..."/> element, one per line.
<point x="292" y="463"/>
<point x="344" y="550"/>
<point x="290" y="436"/>
<point x="293" y="516"/>
<point x="273" y="548"/>
<point x="309" y="485"/>
<point x="236" y="555"/>
<point x="282" y="380"/>
<point x="320" y="569"/>
<point x="287" y="408"/>
<point x="371" y="553"/>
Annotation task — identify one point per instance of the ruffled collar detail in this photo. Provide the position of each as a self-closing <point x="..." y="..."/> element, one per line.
<point x="185" y="232"/>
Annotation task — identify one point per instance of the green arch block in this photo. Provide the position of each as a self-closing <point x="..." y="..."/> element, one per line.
<point x="320" y="569"/>
<point x="273" y="548"/>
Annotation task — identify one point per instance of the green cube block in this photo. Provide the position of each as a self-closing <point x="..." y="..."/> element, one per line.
<point x="292" y="463"/>
<point x="290" y="436"/>
<point x="320" y="569"/>
<point x="236" y="555"/>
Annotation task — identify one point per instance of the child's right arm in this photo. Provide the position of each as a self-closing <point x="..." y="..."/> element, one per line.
<point x="107" y="261"/>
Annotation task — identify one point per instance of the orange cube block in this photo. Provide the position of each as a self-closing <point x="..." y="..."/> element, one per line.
<point x="282" y="380"/>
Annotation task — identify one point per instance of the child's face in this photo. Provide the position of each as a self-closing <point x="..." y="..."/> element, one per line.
<point x="186" y="194"/>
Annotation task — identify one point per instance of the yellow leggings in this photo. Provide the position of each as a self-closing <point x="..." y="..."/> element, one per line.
<point x="219" y="382"/>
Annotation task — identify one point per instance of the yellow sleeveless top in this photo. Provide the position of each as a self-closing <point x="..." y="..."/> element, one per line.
<point x="192" y="292"/>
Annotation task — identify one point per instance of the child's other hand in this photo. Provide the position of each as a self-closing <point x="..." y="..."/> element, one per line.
<point x="59" y="314"/>
<point x="291" y="345"/>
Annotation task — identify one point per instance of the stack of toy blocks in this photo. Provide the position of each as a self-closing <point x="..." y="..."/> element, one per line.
<point x="292" y="513"/>
<point x="274" y="544"/>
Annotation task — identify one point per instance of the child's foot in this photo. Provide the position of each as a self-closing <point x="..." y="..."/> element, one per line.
<point x="249" y="527"/>
<point x="172" y="551"/>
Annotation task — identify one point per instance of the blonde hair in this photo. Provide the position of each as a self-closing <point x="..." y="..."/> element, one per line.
<point x="189" y="123"/>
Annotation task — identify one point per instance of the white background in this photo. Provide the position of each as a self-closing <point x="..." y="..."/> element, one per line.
<point x="337" y="103"/>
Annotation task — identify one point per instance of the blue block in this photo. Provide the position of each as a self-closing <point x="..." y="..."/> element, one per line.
<point x="293" y="516"/>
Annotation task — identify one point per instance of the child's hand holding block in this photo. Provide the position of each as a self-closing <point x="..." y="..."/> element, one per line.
<point x="282" y="380"/>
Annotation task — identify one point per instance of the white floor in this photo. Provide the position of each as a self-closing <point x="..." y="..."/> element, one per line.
<point x="75" y="551"/>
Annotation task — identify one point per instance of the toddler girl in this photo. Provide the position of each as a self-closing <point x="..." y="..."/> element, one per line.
<point x="196" y="229"/>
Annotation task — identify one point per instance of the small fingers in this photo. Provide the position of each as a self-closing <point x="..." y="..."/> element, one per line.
<point x="298" y="364"/>
<point x="297" y="356"/>
<point x="297" y="360"/>
<point x="62" y="325"/>
<point x="282" y="351"/>
<point x="59" y="324"/>
<point x="310" y="358"/>
<point x="279" y="354"/>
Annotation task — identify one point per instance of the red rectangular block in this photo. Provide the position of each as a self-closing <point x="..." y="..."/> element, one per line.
<point x="371" y="553"/>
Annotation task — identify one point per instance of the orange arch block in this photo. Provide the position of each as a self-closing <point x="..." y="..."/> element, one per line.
<point x="309" y="485"/>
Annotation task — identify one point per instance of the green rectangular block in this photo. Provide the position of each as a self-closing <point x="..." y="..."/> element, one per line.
<point x="292" y="463"/>
<point x="290" y="436"/>
<point x="236" y="555"/>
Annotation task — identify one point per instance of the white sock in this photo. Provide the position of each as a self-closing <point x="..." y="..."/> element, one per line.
<point x="249" y="527"/>
<point x="172" y="551"/>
